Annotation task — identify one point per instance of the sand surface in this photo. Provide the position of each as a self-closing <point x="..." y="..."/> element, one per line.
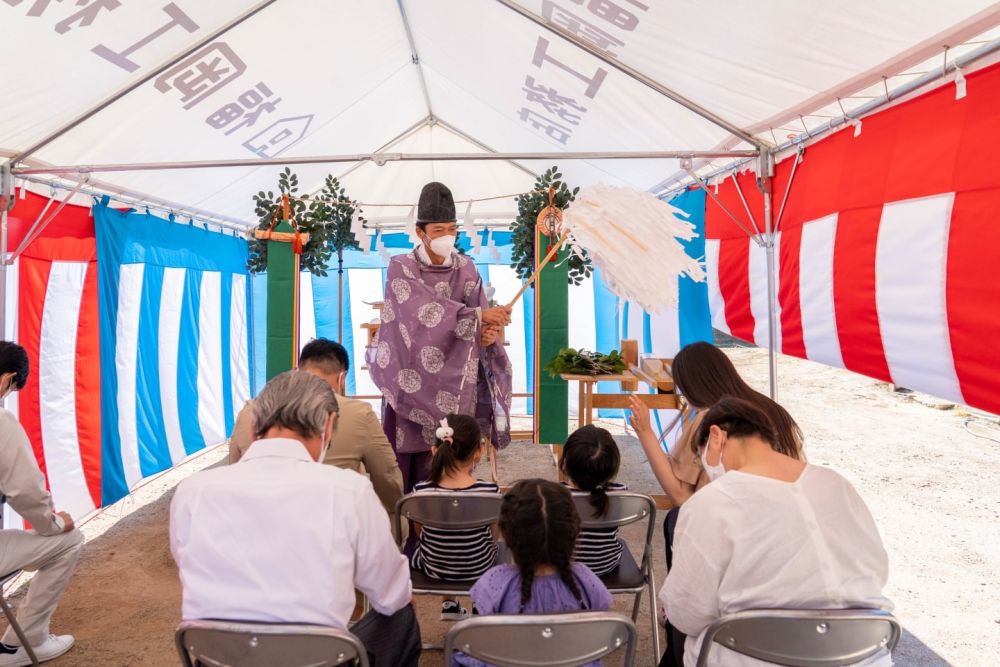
<point x="930" y="473"/>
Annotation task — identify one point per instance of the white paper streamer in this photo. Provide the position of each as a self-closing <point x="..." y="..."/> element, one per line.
<point x="358" y="229"/>
<point x="632" y="237"/>
<point x="470" y="229"/>
<point x="411" y="226"/>
<point x="383" y="252"/>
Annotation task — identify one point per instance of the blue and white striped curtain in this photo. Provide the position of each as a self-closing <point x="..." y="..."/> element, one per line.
<point x="175" y="359"/>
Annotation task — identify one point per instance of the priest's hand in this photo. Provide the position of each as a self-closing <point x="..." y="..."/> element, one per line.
<point x="488" y="335"/>
<point x="497" y="315"/>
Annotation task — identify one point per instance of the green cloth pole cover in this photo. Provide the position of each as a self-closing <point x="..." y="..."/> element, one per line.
<point x="282" y="301"/>
<point x="552" y="335"/>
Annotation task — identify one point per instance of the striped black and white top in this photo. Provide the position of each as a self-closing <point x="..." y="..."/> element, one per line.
<point x="599" y="548"/>
<point x="455" y="555"/>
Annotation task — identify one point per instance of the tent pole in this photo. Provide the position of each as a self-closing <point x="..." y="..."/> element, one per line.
<point x="608" y="59"/>
<point x="468" y="137"/>
<point x="766" y="174"/>
<point x="148" y="76"/>
<point x="6" y="199"/>
<point x="381" y="159"/>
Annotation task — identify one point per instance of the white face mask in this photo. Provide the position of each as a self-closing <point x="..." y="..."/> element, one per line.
<point x="713" y="472"/>
<point x="442" y="245"/>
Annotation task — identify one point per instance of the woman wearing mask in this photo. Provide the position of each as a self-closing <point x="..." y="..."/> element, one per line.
<point x="702" y="375"/>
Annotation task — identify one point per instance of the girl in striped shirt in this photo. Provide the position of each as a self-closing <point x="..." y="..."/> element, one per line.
<point x="455" y="555"/>
<point x="590" y="461"/>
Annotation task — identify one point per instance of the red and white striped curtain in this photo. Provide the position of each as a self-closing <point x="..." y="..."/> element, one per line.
<point x="887" y="249"/>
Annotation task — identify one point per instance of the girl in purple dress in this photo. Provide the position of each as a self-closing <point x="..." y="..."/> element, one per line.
<point x="539" y="523"/>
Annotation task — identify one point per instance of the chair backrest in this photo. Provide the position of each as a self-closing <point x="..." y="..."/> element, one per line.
<point x="804" y="637"/>
<point x="536" y="640"/>
<point x="624" y="507"/>
<point x="447" y="509"/>
<point x="241" y="644"/>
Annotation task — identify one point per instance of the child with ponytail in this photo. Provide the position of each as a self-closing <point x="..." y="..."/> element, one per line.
<point x="590" y="461"/>
<point x="455" y="555"/>
<point x="539" y="523"/>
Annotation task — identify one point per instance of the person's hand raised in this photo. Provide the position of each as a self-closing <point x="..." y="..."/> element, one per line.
<point x="640" y="415"/>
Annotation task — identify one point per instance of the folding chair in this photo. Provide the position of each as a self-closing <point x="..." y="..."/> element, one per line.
<point x="629" y="577"/>
<point x="804" y="637"/>
<point x="450" y="511"/>
<point x="241" y="644"/>
<point x="9" y="613"/>
<point x="542" y="640"/>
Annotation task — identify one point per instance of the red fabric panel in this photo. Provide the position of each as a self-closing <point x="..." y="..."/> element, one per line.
<point x="734" y="283"/>
<point x="792" y="341"/>
<point x="33" y="279"/>
<point x="72" y="221"/>
<point x="973" y="296"/>
<point x="718" y="225"/>
<point x="88" y="385"/>
<point x="854" y="292"/>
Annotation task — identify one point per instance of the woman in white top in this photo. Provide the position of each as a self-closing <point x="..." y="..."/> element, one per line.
<point x="769" y="532"/>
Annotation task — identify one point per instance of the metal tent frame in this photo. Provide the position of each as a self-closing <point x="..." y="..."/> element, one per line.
<point x="763" y="154"/>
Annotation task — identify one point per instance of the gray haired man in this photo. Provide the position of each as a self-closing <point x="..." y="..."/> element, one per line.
<point x="278" y="538"/>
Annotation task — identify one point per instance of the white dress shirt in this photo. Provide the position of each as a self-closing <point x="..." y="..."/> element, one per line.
<point x="278" y="537"/>
<point x="752" y="542"/>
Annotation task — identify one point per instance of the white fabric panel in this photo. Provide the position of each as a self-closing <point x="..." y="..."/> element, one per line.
<point x="506" y="282"/>
<point x="126" y="361"/>
<point x="716" y="304"/>
<point x="366" y="286"/>
<point x="211" y="412"/>
<point x="239" y="362"/>
<point x="307" y="310"/>
<point x="910" y="263"/>
<point x="758" y="293"/>
<point x="665" y="333"/>
<point x="57" y="387"/>
<point x="582" y="333"/>
<point x="10" y="303"/>
<point x="632" y="326"/>
<point x="171" y="304"/>
<point x="819" y="317"/>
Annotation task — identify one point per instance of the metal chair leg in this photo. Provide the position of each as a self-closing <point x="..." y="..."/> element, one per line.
<point x="653" y="614"/>
<point x="17" y="629"/>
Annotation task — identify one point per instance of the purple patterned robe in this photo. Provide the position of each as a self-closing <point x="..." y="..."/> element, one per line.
<point x="426" y="358"/>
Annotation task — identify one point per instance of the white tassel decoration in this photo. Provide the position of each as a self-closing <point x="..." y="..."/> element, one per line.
<point x="632" y="237"/>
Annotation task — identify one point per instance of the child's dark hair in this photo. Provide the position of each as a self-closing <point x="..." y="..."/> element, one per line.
<point x="590" y="459"/>
<point x="538" y="520"/>
<point x="458" y="448"/>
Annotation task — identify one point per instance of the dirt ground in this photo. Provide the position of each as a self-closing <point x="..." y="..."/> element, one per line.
<point x="930" y="473"/>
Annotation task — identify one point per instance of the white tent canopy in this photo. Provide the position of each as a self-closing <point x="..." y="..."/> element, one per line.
<point x="151" y="83"/>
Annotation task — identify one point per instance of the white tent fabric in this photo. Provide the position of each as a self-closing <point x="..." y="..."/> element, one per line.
<point x="302" y="78"/>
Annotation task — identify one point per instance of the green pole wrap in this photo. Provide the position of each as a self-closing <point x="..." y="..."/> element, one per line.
<point x="552" y="335"/>
<point x="282" y="304"/>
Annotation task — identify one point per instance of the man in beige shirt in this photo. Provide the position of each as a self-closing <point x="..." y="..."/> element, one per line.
<point x="50" y="549"/>
<point x="358" y="440"/>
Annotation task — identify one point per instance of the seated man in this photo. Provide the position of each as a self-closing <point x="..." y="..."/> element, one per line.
<point x="769" y="532"/>
<point x="359" y="439"/>
<point x="51" y="549"/>
<point x="278" y="539"/>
